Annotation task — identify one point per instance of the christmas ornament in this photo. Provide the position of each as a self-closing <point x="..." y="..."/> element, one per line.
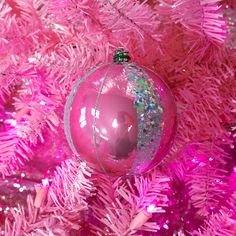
<point x="121" y="118"/>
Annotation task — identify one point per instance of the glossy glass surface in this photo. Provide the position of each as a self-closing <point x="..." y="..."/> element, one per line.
<point x="102" y="124"/>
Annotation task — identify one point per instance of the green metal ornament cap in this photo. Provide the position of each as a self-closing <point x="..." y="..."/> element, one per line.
<point x="121" y="56"/>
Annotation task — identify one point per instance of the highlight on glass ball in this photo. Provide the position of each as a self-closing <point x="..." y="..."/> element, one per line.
<point x="120" y="118"/>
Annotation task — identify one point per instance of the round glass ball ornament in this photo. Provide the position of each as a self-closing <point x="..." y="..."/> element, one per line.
<point x="120" y="118"/>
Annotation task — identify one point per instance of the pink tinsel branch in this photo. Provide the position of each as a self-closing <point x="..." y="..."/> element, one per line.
<point x="64" y="209"/>
<point x="35" y="107"/>
<point x="143" y="194"/>
<point x="202" y="17"/>
<point x="14" y="151"/>
<point x="233" y="128"/>
<point x="217" y="224"/>
<point x="206" y="184"/>
<point x="133" y="15"/>
<point x="71" y="185"/>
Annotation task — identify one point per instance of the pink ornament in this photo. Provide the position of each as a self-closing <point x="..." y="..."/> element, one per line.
<point x="121" y="119"/>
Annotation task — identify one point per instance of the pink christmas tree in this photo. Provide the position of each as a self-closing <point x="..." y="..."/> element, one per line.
<point x="46" y="46"/>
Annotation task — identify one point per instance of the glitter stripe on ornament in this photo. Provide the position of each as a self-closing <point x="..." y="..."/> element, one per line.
<point x="149" y="111"/>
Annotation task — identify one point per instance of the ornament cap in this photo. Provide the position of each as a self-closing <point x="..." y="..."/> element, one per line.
<point x="121" y="56"/>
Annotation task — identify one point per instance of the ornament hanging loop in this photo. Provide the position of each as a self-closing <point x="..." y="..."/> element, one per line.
<point x="121" y="56"/>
